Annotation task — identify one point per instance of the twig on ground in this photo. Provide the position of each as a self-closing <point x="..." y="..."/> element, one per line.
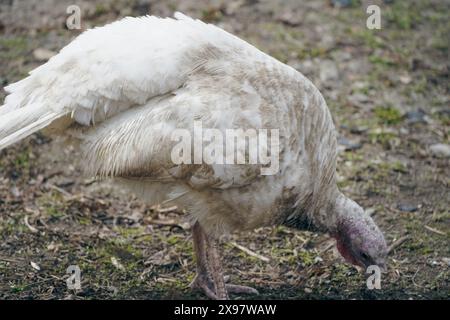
<point x="414" y="277"/>
<point x="10" y="260"/>
<point x="397" y="243"/>
<point x="60" y="190"/>
<point x="29" y="226"/>
<point x="328" y="247"/>
<point x="250" y="252"/>
<point x="164" y="210"/>
<point x="170" y="223"/>
<point x="442" y="233"/>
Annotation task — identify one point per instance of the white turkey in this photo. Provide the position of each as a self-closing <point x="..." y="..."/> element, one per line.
<point x="127" y="86"/>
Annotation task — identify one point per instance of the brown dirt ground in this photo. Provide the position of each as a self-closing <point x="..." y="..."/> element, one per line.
<point x="377" y="84"/>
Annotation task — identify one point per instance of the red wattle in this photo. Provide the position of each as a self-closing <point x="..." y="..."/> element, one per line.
<point x="345" y="252"/>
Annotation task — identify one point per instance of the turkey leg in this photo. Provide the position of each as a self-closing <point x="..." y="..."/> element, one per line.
<point x="202" y="279"/>
<point x="209" y="276"/>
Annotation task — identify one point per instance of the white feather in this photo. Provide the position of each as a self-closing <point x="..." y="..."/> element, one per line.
<point x="136" y="80"/>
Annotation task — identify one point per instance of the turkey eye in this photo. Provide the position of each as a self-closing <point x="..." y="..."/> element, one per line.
<point x="365" y="256"/>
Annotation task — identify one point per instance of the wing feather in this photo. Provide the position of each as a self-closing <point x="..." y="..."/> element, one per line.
<point x="109" y="69"/>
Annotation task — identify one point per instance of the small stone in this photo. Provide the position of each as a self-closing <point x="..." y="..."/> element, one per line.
<point x="341" y="3"/>
<point x="308" y="290"/>
<point x="342" y="56"/>
<point x="35" y="266"/>
<point x="404" y="131"/>
<point x="405" y="207"/>
<point x="52" y="246"/>
<point x="234" y="7"/>
<point x="360" y="85"/>
<point x="434" y="263"/>
<point x="15" y="192"/>
<point x="42" y="54"/>
<point x="415" y="117"/>
<point x="446" y="261"/>
<point x="348" y="144"/>
<point x="328" y="71"/>
<point x="405" y="79"/>
<point x="358" y="99"/>
<point x="306" y="66"/>
<point x="440" y="150"/>
<point x="117" y="264"/>
<point x="291" y="18"/>
<point x="359" y="130"/>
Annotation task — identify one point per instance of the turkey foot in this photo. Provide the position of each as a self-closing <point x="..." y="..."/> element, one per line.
<point x="209" y="276"/>
<point x="236" y="288"/>
<point x="202" y="282"/>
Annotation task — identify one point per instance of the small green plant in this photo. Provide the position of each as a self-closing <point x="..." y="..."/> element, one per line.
<point x="211" y="15"/>
<point x="11" y="48"/>
<point x="381" y="61"/>
<point x="100" y="10"/>
<point x="387" y="115"/>
<point x="386" y="139"/>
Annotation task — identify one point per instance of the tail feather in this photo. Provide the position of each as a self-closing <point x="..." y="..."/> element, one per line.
<point x="20" y="123"/>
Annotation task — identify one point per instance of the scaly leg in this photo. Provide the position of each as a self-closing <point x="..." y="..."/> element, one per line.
<point x="202" y="279"/>
<point x="216" y="268"/>
<point x="209" y="276"/>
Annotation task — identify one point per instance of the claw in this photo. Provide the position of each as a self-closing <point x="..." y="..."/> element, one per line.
<point x="202" y="283"/>
<point x="210" y="278"/>
<point x="235" y="288"/>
